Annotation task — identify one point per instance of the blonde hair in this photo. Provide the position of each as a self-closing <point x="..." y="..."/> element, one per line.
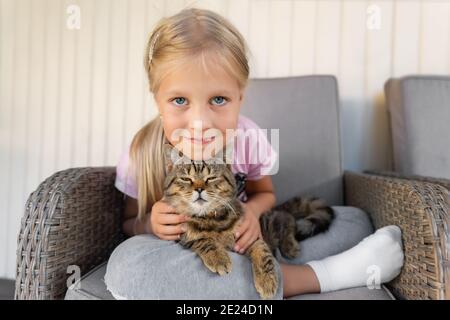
<point x="186" y="36"/>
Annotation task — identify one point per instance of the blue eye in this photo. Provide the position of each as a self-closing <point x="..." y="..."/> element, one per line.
<point x="179" y="98"/>
<point x="220" y="99"/>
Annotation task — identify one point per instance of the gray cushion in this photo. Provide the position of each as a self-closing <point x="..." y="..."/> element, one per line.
<point x="360" y="293"/>
<point x="305" y="109"/>
<point x="144" y="253"/>
<point x="146" y="267"/>
<point x="419" y="109"/>
<point x="93" y="288"/>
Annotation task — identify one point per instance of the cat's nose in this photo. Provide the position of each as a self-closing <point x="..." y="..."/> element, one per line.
<point x="199" y="190"/>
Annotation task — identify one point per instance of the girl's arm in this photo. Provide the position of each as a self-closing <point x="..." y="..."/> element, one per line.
<point x="260" y="198"/>
<point x="260" y="195"/>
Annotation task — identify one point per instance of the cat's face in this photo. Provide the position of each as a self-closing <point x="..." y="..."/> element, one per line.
<point x="197" y="187"/>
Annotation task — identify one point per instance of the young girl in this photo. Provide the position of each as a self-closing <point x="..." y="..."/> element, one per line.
<point x="198" y="71"/>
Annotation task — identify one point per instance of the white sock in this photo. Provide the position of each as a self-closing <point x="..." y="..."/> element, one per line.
<point x="378" y="258"/>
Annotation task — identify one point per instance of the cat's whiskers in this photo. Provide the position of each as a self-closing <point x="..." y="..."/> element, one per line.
<point x="221" y="201"/>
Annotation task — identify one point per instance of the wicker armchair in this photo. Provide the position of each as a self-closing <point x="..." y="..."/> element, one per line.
<point x="420" y="206"/>
<point x="441" y="181"/>
<point x="74" y="218"/>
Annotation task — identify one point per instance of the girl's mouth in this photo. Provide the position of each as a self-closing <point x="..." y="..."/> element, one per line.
<point x="201" y="141"/>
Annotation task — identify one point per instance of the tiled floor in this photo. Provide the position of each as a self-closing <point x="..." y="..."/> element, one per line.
<point x="6" y="289"/>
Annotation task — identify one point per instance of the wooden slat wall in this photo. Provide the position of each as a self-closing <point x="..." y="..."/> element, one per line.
<point x="75" y="97"/>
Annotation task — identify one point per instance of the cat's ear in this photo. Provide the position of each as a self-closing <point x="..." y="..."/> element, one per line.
<point x="168" y="158"/>
<point x="173" y="157"/>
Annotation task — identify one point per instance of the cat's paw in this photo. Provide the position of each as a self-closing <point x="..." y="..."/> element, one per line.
<point x="266" y="284"/>
<point x="218" y="262"/>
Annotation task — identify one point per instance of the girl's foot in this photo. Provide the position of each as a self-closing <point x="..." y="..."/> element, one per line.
<point x="378" y="258"/>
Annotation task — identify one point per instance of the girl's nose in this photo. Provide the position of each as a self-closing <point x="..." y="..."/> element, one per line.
<point x="200" y="119"/>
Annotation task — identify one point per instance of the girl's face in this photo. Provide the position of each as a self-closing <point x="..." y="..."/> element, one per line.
<point x="197" y="108"/>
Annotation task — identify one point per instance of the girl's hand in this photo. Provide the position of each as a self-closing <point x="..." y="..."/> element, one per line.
<point x="248" y="231"/>
<point x="165" y="223"/>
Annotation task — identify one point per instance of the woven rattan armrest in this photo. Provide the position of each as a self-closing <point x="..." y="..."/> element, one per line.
<point x="421" y="210"/>
<point x="441" y="181"/>
<point x="72" y="219"/>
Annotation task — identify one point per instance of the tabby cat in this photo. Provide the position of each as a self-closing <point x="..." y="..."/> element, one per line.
<point x="206" y="191"/>
<point x="292" y="221"/>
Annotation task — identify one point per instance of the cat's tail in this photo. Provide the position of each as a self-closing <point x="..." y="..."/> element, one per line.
<point x="316" y="219"/>
<point x="312" y="215"/>
<point x="314" y="224"/>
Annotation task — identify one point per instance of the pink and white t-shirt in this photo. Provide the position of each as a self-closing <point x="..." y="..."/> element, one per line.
<point x="253" y="155"/>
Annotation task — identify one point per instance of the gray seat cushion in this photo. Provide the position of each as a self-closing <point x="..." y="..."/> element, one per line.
<point x="93" y="287"/>
<point x="419" y="109"/>
<point x="126" y="275"/>
<point x="360" y="293"/>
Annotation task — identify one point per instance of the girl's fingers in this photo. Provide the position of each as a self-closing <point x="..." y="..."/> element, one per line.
<point x="242" y="243"/>
<point x="173" y="230"/>
<point x="172" y="218"/>
<point x="171" y="237"/>
<point x="242" y="228"/>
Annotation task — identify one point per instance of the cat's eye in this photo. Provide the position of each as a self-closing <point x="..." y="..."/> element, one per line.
<point x="184" y="179"/>
<point x="212" y="179"/>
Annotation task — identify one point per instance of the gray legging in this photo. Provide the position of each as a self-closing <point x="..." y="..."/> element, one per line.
<point x="146" y="267"/>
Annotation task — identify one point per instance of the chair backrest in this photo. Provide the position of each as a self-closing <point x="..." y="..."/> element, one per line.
<point x="419" y="108"/>
<point x="305" y="110"/>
